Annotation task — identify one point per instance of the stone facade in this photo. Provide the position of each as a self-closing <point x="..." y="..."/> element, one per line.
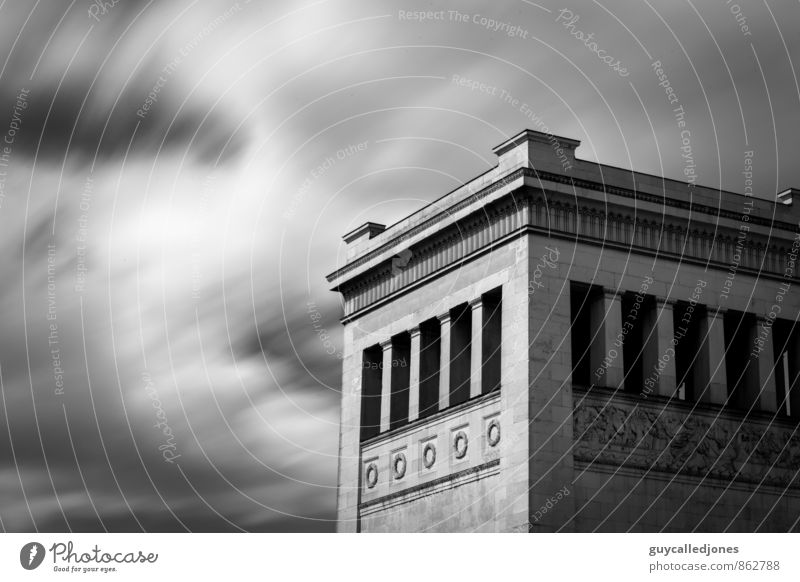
<point x="598" y="351"/>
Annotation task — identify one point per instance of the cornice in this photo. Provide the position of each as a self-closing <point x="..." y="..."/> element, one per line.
<point x="543" y="176"/>
<point x="555" y="214"/>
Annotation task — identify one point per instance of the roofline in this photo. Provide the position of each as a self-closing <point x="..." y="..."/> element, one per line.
<point x="579" y="160"/>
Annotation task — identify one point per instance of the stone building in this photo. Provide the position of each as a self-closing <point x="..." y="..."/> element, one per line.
<point x="560" y="345"/>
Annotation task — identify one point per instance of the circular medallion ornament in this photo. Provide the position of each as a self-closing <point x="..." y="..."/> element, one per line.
<point x="460" y="444"/>
<point x="372" y="475"/>
<point x="429" y="455"/>
<point x="399" y="466"/>
<point x="493" y="433"/>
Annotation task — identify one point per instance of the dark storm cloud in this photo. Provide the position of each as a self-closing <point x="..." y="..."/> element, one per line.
<point x="64" y="120"/>
<point x="88" y="456"/>
<point x="94" y="106"/>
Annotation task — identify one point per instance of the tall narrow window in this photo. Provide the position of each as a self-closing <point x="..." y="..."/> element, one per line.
<point x="585" y="335"/>
<point x="690" y="363"/>
<point x="491" y="341"/>
<point x="786" y="342"/>
<point x="640" y="343"/>
<point x="740" y="367"/>
<point x="791" y="362"/>
<point x="460" y="347"/>
<point x="401" y="374"/>
<point x="371" y="364"/>
<point x="430" y="337"/>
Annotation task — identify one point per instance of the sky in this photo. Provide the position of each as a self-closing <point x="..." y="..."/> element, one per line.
<point x="175" y="179"/>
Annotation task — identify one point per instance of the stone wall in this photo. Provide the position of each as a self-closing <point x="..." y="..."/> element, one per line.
<point x="507" y="504"/>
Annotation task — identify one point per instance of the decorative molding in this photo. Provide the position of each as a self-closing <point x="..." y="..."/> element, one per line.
<point x="460" y="444"/>
<point x="451" y="481"/>
<point x="429" y="455"/>
<point x="665" y="438"/>
<point x="372" y="475"/>
<point x="432" y="449"/>
<point x="493" y="432"/>
<point x="583" y="466"/>
<point x="399" y="465"/>
<point x="502" y="182"/>
<point x="694" y="208"/>
<point x="555" y="215"/>
<point x="662" y="200"/>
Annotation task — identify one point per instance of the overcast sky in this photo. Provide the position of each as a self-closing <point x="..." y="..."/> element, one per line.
<point x="177" y="177"/>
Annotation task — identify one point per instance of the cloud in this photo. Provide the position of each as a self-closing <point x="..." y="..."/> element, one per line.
<point x="150" y="339"/>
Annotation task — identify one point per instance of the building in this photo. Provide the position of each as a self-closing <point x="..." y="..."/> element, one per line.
<point x="560" y="345"/>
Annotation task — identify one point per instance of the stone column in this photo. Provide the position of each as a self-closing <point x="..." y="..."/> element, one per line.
<point x="767" y="399"/>
<point x="607" y="321"/>
<point x="349" y="434"/>
<point x="413" y="383"/>
<point x="512" y="491"/>
<point x="665" y="350"/>
<point x="386" y="385"/>
<point x="444" y="362"/>
<point x="549" y="461"/>
<point x="713" y="359"/>
<point x="476" y="348"/>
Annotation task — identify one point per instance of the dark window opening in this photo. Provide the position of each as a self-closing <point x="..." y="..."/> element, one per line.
<point x="460" y="347"/>
<point x="786" y="342"/>
<point x="401" y="374"/>
<point x="781" y="330"/>
<point x="371" y="372"/>
<point x="430" y="340"/>
<point x="792" y="361"/>
<point x="585" y="336"/>
<point x="491" y="341"/>
<point x="640" y="343"/>
<point x="690" y="362"/>
<point x="741" y="369"/>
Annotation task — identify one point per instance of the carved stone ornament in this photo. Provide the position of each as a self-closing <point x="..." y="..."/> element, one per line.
<point x="460" y="443"/>
<point x="493" y="433"/>
<point x="372" y="475"/>
<point x="675" y="442"/>
<point x="399" y="465"/>
<point x="429" y="455"/>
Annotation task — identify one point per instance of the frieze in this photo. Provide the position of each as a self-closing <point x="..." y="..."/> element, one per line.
<point x="675" y="441"/>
